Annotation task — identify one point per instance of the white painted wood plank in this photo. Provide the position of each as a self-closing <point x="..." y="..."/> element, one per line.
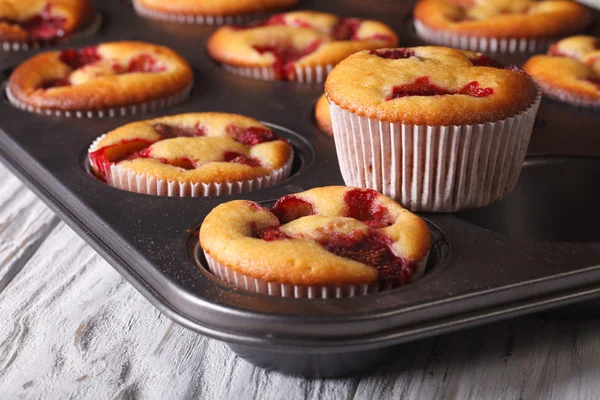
<point x="71" y="327"/>
<point x="591" y="3"/>
<point x="24" y="223"/>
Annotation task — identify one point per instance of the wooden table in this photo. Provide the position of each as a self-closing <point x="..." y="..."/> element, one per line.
<point x="72" y="327"/>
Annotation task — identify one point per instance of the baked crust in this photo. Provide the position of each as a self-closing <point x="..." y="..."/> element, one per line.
<point x="191" y="148"/>
<point x="297" y="39"/>
<point x="214" y="7"/>
<point x="570" y="72"/>
<point x="323" y="116"/>
<point x="66" y="16"/>
<point x="369" y="84"/>
<point x="46" y="81"/>
<point x="228" y="235"/>
<point x="503" y="18"/>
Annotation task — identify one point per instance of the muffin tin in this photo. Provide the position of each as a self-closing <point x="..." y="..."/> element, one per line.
<point x="536" y="249"/>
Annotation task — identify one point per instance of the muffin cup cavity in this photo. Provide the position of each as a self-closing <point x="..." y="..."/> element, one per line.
<point x="90" y="29"/>
<point x="306" y="74"/>
<point x="131" y="181"/>
<point x="433" y="168"/>
<point x="245" y="282"/>
<point x="120" y="111"/>
<point x="507" y="50"/>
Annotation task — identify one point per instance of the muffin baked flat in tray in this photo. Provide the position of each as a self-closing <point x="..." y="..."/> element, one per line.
<point x="536" y="249"/>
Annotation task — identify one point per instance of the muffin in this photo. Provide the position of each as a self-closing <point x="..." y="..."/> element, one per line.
<point x="298" y="46"/>
<point x="509" y="30"/>
<point x="570" y="72"/>
<point x="109" y="79"/>
<point x="326" y="242"/>
<point x="215" y="12"/>
<point x="35" y="22"/>
<point x="435" y="128"/>
<point x="323" y="116"/>
<point x="196" y="154"/>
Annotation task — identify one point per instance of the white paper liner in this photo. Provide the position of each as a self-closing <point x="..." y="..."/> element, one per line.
<point x="433" y="168"/>
<point x="125" y="179"/>
<point x="307" y="74"/>
<point x="504" y="49"/>
<point x="87" y="31"/>
<point x="245" y="282"/>
<point x="132" y="109"/>
<point x="565" y="96"/>
<point x="216" y="20"/>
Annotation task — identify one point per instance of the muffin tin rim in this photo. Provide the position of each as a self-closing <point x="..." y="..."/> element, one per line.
<point x="132" y="273"/>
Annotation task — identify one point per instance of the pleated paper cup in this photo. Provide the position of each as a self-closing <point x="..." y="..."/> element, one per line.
<point x="506" y="50"/>
<point x="194" y="19"/>
<point x="433" y="168"/>
<point x="245" y="282"/>
<point x="566" y="96"/>
<point x="306" y="74"/>
<point x="86" y="31"/>
<point x="121" y="111"/>
<point x="131" y="181"/>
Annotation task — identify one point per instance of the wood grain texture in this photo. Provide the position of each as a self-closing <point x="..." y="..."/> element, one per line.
<point x="73" y="328"/>
<point x="24" y="223"/>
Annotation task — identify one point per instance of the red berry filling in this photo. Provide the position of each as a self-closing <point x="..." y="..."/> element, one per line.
<point x="381" y="36"/>
<point x="168" y="131"/>
<point x="43" y="26"/>
<point x="484" y="61"/>
<point x="184" y="163"/>
<point x="144" y="63"/>
<point x="285" y="56"/>
<point x="80" y="58"/>
<point x="346" y="29"/>
<point x="594" y="81"/>
<point x="289" y="208"/>
<point x="472" y="89"/>
<point x="277" y="19"/>
<point x="554" y="51"/>
<point x="270" y="234"/>
<point x="423" y="87"/>
<point x="104" y="157"/>
<point x="77" y="59"/>
<point x="237" y="158"/>
<point x="362" y="206"/>
<point x="251" y="136"/>
<point x="394" y="54"/>
<point x="375" y="252"/>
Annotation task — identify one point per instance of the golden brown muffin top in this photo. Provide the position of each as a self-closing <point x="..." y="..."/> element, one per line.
<point x="196" y="147"/>
<point x="503" y="18"/>
<point x="429" y="86"/>
<point x="102" y="76"/>
<point x="325" y="236"/>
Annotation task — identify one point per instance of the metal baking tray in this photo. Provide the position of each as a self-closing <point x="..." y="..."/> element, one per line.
<point x="536" y="249"/>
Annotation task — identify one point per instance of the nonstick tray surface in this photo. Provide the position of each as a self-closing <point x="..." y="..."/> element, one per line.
<point x="536" y="249"/>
